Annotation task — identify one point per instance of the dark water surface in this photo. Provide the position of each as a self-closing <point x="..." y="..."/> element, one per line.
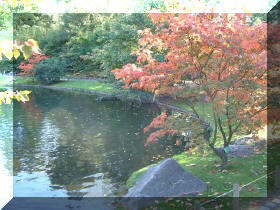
<point x="68" y="144"/>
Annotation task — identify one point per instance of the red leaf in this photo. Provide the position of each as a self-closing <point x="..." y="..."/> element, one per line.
<point x="178" y="142"/>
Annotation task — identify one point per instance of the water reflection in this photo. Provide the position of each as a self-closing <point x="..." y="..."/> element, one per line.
<point x="63" y="141"/>
<point x="6" y="153"/>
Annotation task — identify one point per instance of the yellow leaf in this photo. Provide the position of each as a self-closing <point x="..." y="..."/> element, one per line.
<point x="16" y="53"/>
<point x="8" y="100"/>
<point x="17" y="97"/>
<point x="8" y="54"/>
<point x="34" y="45"/>
<point x="13" y="3"/>
<point x="6" y="48"/>
<point x="25" y="92"/>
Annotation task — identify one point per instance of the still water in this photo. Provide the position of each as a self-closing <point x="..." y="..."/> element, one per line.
<point x="6" y="153"/>
<point x="67" y="144"/>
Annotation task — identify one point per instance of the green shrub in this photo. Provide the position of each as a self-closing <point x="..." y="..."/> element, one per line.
<point x="10" y="66"/>
<point x="53" y="42"/>
<point x="50" y="70"/>
<point x="6" y="66"/>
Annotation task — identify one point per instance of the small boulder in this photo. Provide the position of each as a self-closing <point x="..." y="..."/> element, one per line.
<point x="166" y="179"/>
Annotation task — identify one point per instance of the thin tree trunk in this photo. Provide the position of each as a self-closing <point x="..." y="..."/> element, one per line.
<point x="223" y="156"/>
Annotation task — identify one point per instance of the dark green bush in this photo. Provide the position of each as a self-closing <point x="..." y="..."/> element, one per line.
<point x="53" y="43"/>
<point x="50" y="70"/>
<point x="6" y="66"/>
<point x="115" y="39"/>
<point x="90" y="44"/>
<point x="10" y="66"/>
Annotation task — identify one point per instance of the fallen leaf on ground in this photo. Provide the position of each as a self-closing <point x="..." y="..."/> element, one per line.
<point x="192" y="164"/>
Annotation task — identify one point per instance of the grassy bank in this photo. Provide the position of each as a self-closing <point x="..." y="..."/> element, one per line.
<point x="94" y="86"/>
<point x="24" y="81"/>
<point x="239" y="170"/>
<point x="89" y="85"/>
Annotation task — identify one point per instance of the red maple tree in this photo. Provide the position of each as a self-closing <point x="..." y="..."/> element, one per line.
<point x="27" y="68"/>
<point x="220" y="56"/>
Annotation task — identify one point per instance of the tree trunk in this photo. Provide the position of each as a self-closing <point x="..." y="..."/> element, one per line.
<point x="223" y="156"/>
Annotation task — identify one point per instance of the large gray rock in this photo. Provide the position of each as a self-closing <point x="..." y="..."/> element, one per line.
<point x="239" y="150"/>
<point x="248" y="140"/>
<point x="167" y="179"/>
<point x="245" y="140"/>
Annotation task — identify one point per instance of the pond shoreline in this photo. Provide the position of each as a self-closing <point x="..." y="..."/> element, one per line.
<point x="100" y="93"/>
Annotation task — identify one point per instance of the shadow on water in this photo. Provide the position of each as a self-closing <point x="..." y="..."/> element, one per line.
<point x="70" y="145"/>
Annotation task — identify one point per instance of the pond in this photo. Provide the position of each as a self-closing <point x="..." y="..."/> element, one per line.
<point x="6" y="152"/>
<point x="70" y="145"/>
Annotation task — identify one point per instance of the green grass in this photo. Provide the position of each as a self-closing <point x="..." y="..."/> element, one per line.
<point x="93" y="85"/>
<point x="239" y="171"/>
<point x="24" y="80"/>
<point x="89" y="85"/>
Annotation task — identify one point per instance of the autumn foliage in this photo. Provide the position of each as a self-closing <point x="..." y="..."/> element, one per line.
<point x="222" y="56"/>
<point x="159" y="122"/>
<point x="27" y="68"/>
